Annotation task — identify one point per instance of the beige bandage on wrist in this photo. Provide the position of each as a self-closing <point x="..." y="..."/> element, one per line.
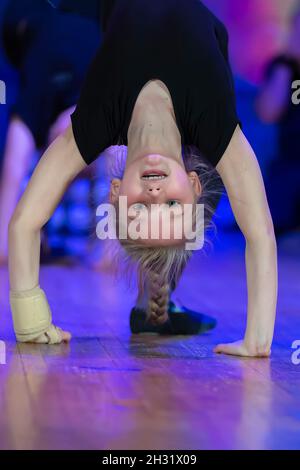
<point x="32" y="317"/>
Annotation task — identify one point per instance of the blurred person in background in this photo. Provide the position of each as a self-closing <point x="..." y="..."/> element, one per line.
<point x="39" y="42"/>
<point x="275" y="105"/>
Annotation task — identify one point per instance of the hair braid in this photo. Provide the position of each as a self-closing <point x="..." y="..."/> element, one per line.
<point x="159" y="289"/>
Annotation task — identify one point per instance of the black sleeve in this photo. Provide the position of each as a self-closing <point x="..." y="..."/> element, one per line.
<point x="223" y="37"/>
<point x="215" y="128"/>
<point x="93" y="120"/>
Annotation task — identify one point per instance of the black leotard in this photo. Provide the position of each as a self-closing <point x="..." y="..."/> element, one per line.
<point x="179" y="42"/>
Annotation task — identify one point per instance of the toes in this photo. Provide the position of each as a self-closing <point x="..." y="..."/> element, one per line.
<point x="220" y="348"/>
<point x="66" y="336"/>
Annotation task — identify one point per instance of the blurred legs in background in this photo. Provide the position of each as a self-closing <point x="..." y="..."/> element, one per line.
<point x="38" y="42"/>
<point x="19" y="151"/>
<point x="17" y="156"/>
<point x="283" y="191"/>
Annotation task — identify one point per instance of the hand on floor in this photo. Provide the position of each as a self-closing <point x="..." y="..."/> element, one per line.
<point x="54" y="335"/>
<point x="239" y="348"/>
<point x="32" y="318"/>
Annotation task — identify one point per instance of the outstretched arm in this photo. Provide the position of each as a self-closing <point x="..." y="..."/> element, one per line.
<point x="59" y="165"/>
<point x="243" y="181"/>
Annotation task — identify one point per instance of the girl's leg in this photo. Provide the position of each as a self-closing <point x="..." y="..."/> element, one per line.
<point x="282" y="186"/>
<point x="59" y="165"/>
<point x="18" y="151"/>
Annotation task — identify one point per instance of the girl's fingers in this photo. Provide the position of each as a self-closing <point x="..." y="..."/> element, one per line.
<point x="239" y="349"/>
<point x="231" y="349"/>
<point x="66" y="336"/>
<point x="222" y="348"/>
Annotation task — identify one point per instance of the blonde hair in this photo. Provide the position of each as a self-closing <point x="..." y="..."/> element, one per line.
<point x="160" y="268"/>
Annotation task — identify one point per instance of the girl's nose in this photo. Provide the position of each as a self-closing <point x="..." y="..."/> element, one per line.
<point x="154" y="190"/>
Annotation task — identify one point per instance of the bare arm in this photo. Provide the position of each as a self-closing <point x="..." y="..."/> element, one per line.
<point x="243" y="181"/>
<point x="56" y="169"/>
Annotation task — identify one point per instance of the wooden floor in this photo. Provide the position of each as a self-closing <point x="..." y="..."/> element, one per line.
<point x="111" y="390"/>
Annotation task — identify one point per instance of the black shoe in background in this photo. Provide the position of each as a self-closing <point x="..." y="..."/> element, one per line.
<point x="182" y="321"/>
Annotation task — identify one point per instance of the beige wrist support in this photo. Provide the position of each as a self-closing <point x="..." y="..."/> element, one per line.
<point x="32" y="317"/>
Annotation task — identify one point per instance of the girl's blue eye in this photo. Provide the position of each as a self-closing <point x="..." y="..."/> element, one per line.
<point x="138" y="206"/>
<point x="172" y="203"/>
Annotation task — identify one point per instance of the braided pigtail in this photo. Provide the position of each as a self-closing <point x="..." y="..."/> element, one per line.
<point x="159" y="293"/>
<point x="158" y="272"/>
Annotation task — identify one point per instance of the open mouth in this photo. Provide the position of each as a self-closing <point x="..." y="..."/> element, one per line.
<point x="154" y="175"/>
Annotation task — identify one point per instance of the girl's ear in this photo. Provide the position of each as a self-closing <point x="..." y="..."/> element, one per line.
<point x="114" y="190"/>
<point x="195" y="182"/>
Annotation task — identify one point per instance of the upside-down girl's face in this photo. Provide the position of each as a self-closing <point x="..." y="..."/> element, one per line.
<point x="157" y="183"/>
